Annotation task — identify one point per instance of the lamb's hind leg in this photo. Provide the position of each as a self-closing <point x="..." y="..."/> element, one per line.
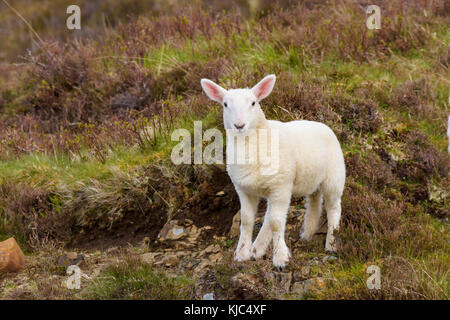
<point x="312" y="215"/>
<point x="249" y="206"/>
<point x="259" y="247"/>
<point x="333" y="207"/>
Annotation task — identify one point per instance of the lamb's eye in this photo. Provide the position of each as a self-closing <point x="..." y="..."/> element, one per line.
<point x="253" y="103"/>
<point x="225" y="104"/>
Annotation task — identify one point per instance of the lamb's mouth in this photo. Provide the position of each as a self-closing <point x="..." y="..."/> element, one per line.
<point x="241" y="130"/>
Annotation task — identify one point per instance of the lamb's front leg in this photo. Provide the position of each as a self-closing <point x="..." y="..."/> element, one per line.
<point x="249" y="206"/>
<point x="278" y="210"/>
<point x="262" y="241"/>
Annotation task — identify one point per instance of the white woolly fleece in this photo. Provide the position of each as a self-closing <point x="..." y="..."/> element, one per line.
<point x="311" y="164"/>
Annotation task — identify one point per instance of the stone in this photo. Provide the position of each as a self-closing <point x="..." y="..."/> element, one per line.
<point x="149" y="257"/>
<point x="212" y="248"/>
<point x="313" y="285"/>
<point x="194" y="233"/>
<point x="202" y="265"/>
<point x="298" y="289"/>
<point x="170" y="260"/>
<point x="206" y="286"/>
<point x="281" y="282"/>
<point x="247" y="286"/>
<point x="70" y="258"/>
<point x="208" y="296"/>
<point x="11" y="256"/>
<point x="72" y="255"/>
<point x="172" y="231"/>
<point x="315" y="261"/>
<point x="235" y="225"/>
<point x="302" y="274"/>
<point x="220" y="193"/>
<point x="328" y="258"/>
<point x="215" y="257"/>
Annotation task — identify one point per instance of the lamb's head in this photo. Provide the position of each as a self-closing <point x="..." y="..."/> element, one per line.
<point x="241" y="109"/>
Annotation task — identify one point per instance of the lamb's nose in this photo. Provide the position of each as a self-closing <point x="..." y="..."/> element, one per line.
<point x="239" y="126"/>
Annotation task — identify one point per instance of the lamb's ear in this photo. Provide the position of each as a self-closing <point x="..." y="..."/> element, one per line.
<point x="212" y="90"/>
<point x="264" y="87"/>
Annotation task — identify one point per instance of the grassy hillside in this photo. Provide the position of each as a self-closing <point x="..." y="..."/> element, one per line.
<point x="85" y="145"/>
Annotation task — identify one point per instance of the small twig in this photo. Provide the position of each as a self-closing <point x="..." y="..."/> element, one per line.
<point x="25" y="21"/>
<point x="159" y="194"/>
<point x="287" y="111"/>
<point x="360" y="6"/>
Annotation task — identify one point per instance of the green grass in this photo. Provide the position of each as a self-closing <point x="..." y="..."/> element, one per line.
<point x="50" y="171"/>
<point x="47" y="171"/>
<point x="134" y="280"/>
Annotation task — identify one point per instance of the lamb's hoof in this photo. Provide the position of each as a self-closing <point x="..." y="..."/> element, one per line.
<point x="257" y="253"/>
<point x="253" y="258"/>
<point x="242" y="255"/>
<point x="331" y="252"/>
<point x="280" y="269"/>
<point x="263" y="257"/>
<point x="241" y="259"/>
<point x="280" y="264"/>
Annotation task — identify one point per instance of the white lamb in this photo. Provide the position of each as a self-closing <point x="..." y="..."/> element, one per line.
<point x="311" y="165"/>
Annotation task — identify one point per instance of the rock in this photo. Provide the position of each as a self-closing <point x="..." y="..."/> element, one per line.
<point x="70" y="258"/>
<point x="212" y="251"/>
<point x="72" y="255"/>
<point x="170" y="260"/>
<point x="328" y="258"/>
<point x="246" y="286"/>
<point x="208" y="296"/>
<point x="302" y="274"/>
<point x="215" y="257"/>
<point x="206" y="285"/>
<point x="172" y="231"/>
<point x="220" y="193"/>
<point x="315" y="261"/>
<point x="11" y="256"/>
<point x="235" y="225"/>
<point x="281" y="283"/>
<point x="313" y="285"/>
<point x="194" y="233"/>
<point x="149" y="257"/>
<point x="213" y="248"/>
<point x="298" y="289"/>
<point x="202" y="265"/>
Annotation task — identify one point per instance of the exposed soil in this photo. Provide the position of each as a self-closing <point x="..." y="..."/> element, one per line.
<point x="207" y="199"/>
